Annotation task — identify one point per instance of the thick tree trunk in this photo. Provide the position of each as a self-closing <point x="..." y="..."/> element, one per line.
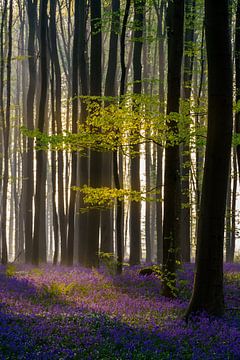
<point x="171" y="228"/>
<point x="208" y="295"/>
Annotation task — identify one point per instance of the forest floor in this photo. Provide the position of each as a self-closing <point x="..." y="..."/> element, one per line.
<point x="75" y="313"/>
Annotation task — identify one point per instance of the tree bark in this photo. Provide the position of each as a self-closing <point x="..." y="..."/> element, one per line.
<point x="95" y="157"/>
<point x="83" y="160"/>
<point x="159" y="177"/>
<point x="75" y="72"/>
<point x="135" y="206"/>
<point x="58" y="119"/>
<point x="110" y="90"/>
<point x="208" y="295"/>
<point x="185" y="238"/>
<point x="40" y="178"/>
<point x="6" y="134"/>
<point x="29" y="182"/>
<point x="171" y="228"/>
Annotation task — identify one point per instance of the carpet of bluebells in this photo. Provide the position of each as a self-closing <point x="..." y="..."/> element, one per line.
<point x="76" y="313"/>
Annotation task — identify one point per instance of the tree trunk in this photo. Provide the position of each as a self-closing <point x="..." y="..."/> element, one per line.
<point x="171" y="219"/>
<point x="110" y="90"/>
<point x="58" y="119"/>
<point x="237" y="70"/>
<point x="135" y="206"/>
<point x="6" y="133"/>
<point x="53" y="176"/>
<point x="117" y="159"/>
<point x="40" y="178"/>
<point x="159" y="177"/>
<point x="185" y="239"/>
<point x="95" y="157"/>
<point x="28" y="187"/>
<point x="83" y="160"/>
<point x="208" y="295"/>
<point x="75" y="67"/>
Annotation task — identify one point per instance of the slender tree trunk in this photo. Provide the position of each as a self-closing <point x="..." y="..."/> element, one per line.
<point x="237" y="70"/>
<point x="2" y="68"/>
<point x="95" y="157"/>
<point x="146" y="75"/>
<point x="28" y="186"/>
<point x="135" y="206"/>
<point x="40" y="171"/>
<point x="53" y="175"/>
<point x="171" y="228"/>
<point x="6" y="131"/>
<point x="199" y="123"/>
<point x="58" y="119"/>
<point x="228" y="215"/>
<point x="83" y="160"/>
<point x="110" y="90"/>
<point x="185" y="224"/>
<point x="159" y="177"/>
<point x="75" y="67"/>
<point x="117" y="169"/>
<point x="233" y="212"/>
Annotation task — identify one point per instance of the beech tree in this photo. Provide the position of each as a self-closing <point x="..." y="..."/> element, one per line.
<point x="185" y="226"/>
<point x="208" y="283"/>
<point x="40" y="178"/>
<point x="171" y="220"/>
<point x="110" y="90"/>
<point x="75" y="93"/>
<point x="6" y="136"/>
<point x="135" y="207"/>
<point x="95" y="156"/>
<point x="29" y="181"/>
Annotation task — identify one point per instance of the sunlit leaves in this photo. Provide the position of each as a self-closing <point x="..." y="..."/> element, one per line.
<point x="115" y="127"/>
<point x="105" y="197"/>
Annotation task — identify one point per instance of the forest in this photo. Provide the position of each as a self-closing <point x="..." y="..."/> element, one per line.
<point x="119" y="179"/>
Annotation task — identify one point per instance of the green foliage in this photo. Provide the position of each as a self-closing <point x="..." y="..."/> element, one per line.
<point x="21" y="57"/>
<point x="184" y="290"/>
<point x="58" y="292"/>
<point x="119" y="126"/>
<point x="122" y="124"/>
<point x="54" y="290"/>
<point x="104" y="197"/>
<point x="11" y="270"/>
<point x="109" y="261"/>
<point x="232" y="277"/>
<point x="37" y="271"/>
<point x="168" y="278"/>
